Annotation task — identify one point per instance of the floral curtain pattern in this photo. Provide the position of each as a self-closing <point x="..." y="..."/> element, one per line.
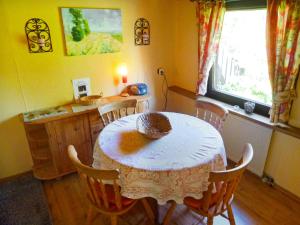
<point x="210" y="14"/>
<point x="283" y="48"/>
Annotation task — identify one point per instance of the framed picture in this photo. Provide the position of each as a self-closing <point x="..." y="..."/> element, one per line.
<point x="92" y="31"/>
<point x="81" y="87"/>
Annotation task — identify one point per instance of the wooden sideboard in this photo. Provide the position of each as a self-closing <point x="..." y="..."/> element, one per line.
<point x="48" y="138"/>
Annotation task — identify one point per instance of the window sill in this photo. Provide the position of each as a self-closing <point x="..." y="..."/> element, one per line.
<point x="261" y="120"/>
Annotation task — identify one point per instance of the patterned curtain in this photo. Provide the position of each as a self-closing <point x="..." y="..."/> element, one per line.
<point x="283" y="47"/>
<point x="210" y="14"/>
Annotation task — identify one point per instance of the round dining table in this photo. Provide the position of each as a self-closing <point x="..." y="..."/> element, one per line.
<point x="170" y="168"/>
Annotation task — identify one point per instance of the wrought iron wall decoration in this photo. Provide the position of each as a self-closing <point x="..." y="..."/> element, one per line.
<point x="38" y="36"/>
<point x="142" y="32"/>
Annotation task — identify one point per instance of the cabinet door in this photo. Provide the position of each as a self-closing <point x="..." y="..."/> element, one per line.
<point x="71" y="131"/>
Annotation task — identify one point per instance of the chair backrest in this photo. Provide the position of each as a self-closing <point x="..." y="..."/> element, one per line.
<point x="225" y="184"/>
<point x="93" y="183"/>
<point x="116" y="110"/>
<point x="212" y="113"/>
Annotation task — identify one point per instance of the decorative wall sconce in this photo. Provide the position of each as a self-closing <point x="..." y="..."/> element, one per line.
<point x="38" y="36"/>
<point x="142" y="32"/>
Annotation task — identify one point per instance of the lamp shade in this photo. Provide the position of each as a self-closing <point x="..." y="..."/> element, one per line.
<point x="122" y="70"/>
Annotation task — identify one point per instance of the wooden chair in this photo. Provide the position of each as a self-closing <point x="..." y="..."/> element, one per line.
<point x="103" y="197"/>
<point x="212" y="113"/>
<point x="224" y="183"/>
<point x="114" y="111"/>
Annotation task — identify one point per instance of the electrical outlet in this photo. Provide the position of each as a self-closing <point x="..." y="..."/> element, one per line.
<point x="161" y="71"/>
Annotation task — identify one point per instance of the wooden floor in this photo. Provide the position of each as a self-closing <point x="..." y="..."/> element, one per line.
<point x="255" y="203"/>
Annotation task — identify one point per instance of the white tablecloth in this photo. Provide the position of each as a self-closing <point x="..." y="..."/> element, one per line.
<point x="170" y="168"/>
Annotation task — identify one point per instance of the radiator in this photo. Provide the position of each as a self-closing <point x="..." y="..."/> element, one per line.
<point x="238" y="131"/>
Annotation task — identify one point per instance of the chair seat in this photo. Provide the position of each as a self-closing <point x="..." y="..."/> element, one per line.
<point x="110" y="193"/>
<point x="197" y="203"/>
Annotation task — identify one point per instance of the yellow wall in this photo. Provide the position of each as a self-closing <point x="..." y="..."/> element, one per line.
<point x="14" y="155"/>
<point x="185" y="55"/>
<point x="295" y="112"/>
<point x="33" y="81"/>
<point x="283" y="162"/>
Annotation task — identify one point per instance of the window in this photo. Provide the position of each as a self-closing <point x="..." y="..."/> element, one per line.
<point x="240" y="72"/>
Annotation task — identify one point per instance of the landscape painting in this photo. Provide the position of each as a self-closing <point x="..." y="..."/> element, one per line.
<point x="92" y="31"/>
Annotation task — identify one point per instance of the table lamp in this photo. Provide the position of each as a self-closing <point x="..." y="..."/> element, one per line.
<point x="123" y="72"/>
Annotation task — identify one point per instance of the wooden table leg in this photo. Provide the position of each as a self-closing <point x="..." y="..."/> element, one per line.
<point x="169" y="213"/>
<point x="155" y="208"/>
